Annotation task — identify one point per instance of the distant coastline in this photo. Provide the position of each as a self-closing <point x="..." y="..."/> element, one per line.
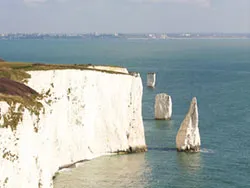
<point x="130" y="36"/>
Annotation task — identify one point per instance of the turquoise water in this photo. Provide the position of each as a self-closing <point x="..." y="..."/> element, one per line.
<point x="217" y="72"/>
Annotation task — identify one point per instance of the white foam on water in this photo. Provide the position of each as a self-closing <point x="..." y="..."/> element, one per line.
<point x="204" y="150"/>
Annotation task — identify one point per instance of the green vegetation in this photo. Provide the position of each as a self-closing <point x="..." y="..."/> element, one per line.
<point x="17" y="70"/>
<point x="9" y="156"/>
<point x="14" y="71"/>
<point x="15" y="65"/>
<point x="69" y="91"/>
<point x="15" y="75"/>
<point x="17" y="106"/>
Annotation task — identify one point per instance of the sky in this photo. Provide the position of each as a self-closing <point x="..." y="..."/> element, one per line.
<point x="125" y="16"/>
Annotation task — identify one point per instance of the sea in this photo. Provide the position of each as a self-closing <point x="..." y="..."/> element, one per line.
<point x="216" y="71"/>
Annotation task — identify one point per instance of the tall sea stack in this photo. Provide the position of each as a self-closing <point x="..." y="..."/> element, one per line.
<point x="188" y="136"/>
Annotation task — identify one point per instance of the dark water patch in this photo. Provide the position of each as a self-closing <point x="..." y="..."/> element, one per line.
<point x="161" y="149"/>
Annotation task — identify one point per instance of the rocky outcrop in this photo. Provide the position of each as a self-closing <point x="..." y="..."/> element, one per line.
<point x="163" y="106"/>
<point x="1" y="60"/>
<point x="84" y="114"/>
<point x="188" y="136"/>
<point x="151" y="79"/>
<point x="10" y="87"/>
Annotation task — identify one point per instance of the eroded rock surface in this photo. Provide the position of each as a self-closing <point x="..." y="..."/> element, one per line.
<point x="163" y="106"/>
<point x="188" y="136"/>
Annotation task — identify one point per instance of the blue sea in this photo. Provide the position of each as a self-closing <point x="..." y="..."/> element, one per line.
<point x="217" y="72"/>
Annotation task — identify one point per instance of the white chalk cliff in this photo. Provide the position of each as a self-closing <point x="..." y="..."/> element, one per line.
<point x="188" y="136"/>
<point x="86" y="114"/>
<point x="163" y="106"/>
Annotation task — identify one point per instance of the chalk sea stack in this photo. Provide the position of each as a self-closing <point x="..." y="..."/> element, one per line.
<point x="188" y="136"/>
<point x="163" y="106"/>
<point x="151" y="77"/>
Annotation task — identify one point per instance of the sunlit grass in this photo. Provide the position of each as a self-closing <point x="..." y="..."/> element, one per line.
<point x="15" y="65"/>
<point x="17" y="70"/>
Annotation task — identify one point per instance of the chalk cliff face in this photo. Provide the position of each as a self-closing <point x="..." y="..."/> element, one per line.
<point x="86" y="114"/>
<point x="163" y="106"/>
<point x="188" y="136"/>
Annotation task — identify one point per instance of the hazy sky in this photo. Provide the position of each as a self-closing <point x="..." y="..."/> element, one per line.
<point x="124" y="16"/>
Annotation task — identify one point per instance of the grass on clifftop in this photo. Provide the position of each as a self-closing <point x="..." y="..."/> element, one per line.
<point x="17" y="70"/>
<point x="43" y="66"/>
<point x="14" y="71"/>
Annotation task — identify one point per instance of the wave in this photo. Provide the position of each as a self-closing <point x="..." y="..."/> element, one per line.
<point x="204" y="150"/>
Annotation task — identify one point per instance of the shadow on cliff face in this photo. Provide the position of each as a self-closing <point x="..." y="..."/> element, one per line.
<point x="10" y="87"/>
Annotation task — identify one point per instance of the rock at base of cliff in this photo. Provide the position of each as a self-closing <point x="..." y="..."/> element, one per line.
<point x="130" y="150"/>
<point x="163" y="106"/>
<point x="188" y="136"/>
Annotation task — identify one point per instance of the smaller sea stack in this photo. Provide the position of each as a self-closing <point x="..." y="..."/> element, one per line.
<point x="151" y="78"/>
<point x="163" y="106"/>
<point x="188" y="136"/>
